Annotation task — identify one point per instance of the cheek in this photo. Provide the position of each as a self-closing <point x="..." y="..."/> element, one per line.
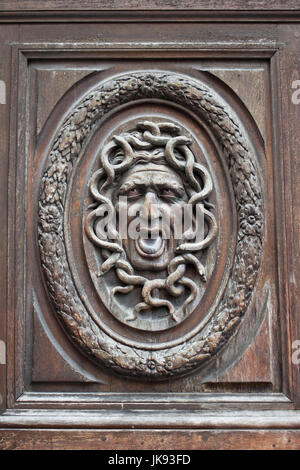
<point x="127" y="209"/>
<point x="175" y="211"/>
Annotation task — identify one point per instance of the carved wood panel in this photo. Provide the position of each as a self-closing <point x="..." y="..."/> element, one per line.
<point x="160" y="150"/>
<point x="149" y="306"/>
<point x="147" y="226"/>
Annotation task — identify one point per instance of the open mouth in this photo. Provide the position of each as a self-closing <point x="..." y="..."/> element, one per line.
<point x="150" y="247"/>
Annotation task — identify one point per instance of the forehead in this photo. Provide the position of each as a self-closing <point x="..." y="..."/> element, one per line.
<point x="159" y="175"/>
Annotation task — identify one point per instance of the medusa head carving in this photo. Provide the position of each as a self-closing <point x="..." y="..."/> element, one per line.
<point x="151" y="218"/>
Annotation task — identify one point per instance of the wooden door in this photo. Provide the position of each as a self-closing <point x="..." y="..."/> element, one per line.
<point x="181" y="334"/>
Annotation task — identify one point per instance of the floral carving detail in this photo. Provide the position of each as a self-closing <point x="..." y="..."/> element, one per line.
<point x="75" y="131"/>
<point x="250" y="220"/>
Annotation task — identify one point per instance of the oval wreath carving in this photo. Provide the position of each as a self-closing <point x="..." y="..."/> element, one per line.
<point x="68" y="144"/>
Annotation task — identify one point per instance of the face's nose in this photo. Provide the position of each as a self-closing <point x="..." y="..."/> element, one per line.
<point x="150" y="209"/>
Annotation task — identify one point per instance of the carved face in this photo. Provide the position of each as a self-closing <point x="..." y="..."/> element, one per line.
<point x="151" y="175"/>
<point x="153" y="195"/>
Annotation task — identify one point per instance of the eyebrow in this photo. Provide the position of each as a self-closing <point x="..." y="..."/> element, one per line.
<point x="131" y="184"/>
<point x="166" y="184"/>
<point x="177" y="187"/>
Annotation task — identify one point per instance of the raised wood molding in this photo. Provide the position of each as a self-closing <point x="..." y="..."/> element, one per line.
<point x="138" y="419"/>
<point x="156" y="11"/>
<point x="213" y="5"/>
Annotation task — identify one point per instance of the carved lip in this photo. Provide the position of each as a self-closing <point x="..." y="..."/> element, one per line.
<point x="150" y="247"/>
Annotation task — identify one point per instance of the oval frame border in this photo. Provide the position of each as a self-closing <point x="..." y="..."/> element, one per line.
<point x="66" y="148"/>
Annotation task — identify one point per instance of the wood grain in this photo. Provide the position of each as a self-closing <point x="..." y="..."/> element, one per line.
<point x="254" y="412"/>
<point x="237" y="5"/>
<point x="155" y="440"/>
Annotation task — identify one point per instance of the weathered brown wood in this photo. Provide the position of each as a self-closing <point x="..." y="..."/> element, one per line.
<point x="244" y="393"/>
<point x="5" y="116"/>
<point x="151" y="419"/>
<point x="155" y="440"/>
<point x="213" y="5"/>
<point x="189" y="11"/>
<point x="289" y="145"/>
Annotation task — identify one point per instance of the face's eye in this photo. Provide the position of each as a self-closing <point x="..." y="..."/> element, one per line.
<point x="167" y="192"/>
<point x="133" y="192"/>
